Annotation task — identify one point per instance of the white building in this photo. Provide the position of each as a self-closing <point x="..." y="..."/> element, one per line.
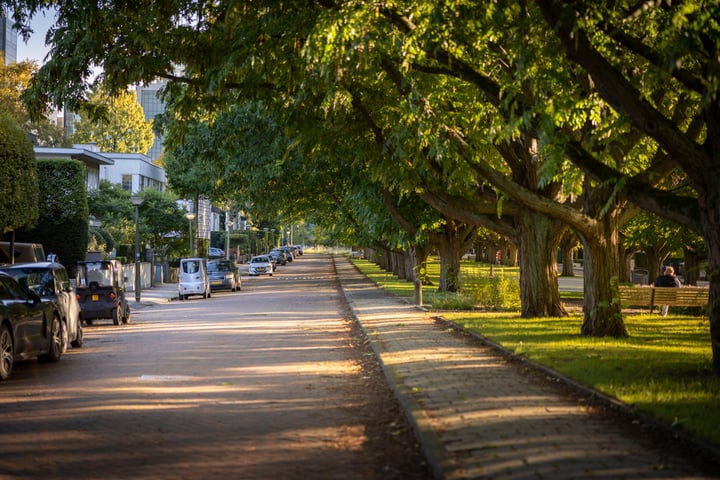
<point x="134" y="171"/>
<point x="89" y="155"/>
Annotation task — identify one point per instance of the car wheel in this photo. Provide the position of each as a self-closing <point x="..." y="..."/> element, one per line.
<point x="115" y="317"/>
<point x="78" y="342"/>
<point x="57" y="341"/>
<point x="126" y="315"/>
<point x="7" y="352"/>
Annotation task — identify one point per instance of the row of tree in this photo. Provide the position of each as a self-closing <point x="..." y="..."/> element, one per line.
<point x="414" y="123"/>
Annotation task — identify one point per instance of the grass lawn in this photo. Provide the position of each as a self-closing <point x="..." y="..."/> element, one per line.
<point x="663" y="368"/>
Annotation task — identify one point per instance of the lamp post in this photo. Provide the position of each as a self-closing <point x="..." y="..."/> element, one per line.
<point x="190" y="217"/>
<point x="137" y="201"/>
<point x="227" y="239"/>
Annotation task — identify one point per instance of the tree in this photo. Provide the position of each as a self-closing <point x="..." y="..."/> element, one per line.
<point x="161" y="219"/>
<point x="623" y="94"/>
<point x="62" y="226"/>
<point x="677" y="47"/>
<point x="19" y="181"/>
<point x="14" y="79"/>
<point x="115" y="123"/>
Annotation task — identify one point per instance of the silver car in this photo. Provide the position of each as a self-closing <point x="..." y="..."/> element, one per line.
<point x="193" y="278"/>
<point x="260" y="265"/>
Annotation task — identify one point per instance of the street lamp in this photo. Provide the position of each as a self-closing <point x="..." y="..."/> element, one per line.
<point x="228" y="224"/>
<point x="190" y="217"/>
<point x="137" y="201"/>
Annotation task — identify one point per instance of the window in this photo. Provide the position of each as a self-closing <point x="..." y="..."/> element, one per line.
<point x="127" y="182"/>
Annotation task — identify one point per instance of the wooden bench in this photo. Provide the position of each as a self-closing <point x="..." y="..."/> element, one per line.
<point x="652" y="297"/>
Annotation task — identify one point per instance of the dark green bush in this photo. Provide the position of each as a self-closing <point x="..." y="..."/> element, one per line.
<point x="62" y="225"/>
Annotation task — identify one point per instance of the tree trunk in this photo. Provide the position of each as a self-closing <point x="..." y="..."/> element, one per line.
<point x="568" y="242"/>
<point x="602" y="310"/>
<point x="456" y="239"/>
<point x="710" y="214"/>
<point x="399" y="264"/>
<point x="449" y="265"/>
<point x="656" y="255"/>
<point x="538" y="238"/>
<point x="692" y="265"/>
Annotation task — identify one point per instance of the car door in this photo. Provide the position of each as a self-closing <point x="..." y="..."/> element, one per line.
<point x="28" y="315"/>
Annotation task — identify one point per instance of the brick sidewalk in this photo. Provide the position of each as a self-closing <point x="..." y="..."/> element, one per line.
<point x="479" y="415"/>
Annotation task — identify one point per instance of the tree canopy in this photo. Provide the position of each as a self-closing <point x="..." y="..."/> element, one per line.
<point x="115" y="123"/>
<point x="19" y="181"/>
<point x="542" y="113"/>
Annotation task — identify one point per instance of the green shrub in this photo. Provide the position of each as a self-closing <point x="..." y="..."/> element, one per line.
<point x="498" y="292"/>
<point x="450" y="301"/>
<point x="62" y="227"/>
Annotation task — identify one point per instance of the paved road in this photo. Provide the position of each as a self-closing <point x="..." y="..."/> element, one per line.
<point x="259" y="384"/>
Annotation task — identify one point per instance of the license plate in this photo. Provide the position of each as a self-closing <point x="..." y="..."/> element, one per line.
<point x="216" y="282"/>
<point x="95" y="297"/>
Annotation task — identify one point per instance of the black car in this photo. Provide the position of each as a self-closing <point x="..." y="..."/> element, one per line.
<point x="279" y="256"/>
<point x="223" y="274"/>
<point x="100" y="287"/>
<point x="29" y="327"/>
<point x="50" y="281"/>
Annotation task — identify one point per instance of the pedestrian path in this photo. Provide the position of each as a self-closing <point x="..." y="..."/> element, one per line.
<point x="480" y="415"/>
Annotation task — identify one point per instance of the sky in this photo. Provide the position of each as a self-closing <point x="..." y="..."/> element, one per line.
<point x="35" y="48"/>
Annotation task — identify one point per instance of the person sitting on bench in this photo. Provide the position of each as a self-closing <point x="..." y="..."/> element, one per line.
<point x="667" y="279"/>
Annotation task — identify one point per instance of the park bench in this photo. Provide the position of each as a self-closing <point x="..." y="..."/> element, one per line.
<point x="652" y="297"/>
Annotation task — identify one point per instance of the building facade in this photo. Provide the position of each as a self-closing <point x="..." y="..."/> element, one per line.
<point x="89" y="155"/>
<point x="152" y="104"/>
<point x="8" y="40"/>
<point x="134" y="171"/>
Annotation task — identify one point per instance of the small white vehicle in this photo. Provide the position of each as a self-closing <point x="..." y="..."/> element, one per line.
<point x="193" y="278"/>
<point x="260" y="265"/>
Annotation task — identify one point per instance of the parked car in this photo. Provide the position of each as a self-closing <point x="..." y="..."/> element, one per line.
<point x="278" y="256"/>
<point x="299" y="249"/>
<point x="260" y="265"/>
<point x="50" y="281"/>
<point x="100" y="287"/>
<point x="29" y="327"/>
<point x="288" y="252"/>
<point x="216" y="252"/>
<point x="193" y="278"/>
<point x="224" y="274"/>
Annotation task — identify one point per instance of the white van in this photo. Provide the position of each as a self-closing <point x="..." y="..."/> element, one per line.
<point x="193" y="278"/>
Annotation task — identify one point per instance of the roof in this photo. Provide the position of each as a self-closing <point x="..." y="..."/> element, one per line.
<point x="82" y="154"/>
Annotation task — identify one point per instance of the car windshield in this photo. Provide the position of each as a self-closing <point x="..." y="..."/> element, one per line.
<point x="259" y="260"/>
<point x="192" y="266"/>
<point x="219" y="267"/>
<point x="38" y="280"/>
<point x="98" y="273"/>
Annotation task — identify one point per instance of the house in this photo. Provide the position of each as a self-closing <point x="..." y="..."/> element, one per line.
<point x="134" y="171"/>
<point x="89" y="155"/>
